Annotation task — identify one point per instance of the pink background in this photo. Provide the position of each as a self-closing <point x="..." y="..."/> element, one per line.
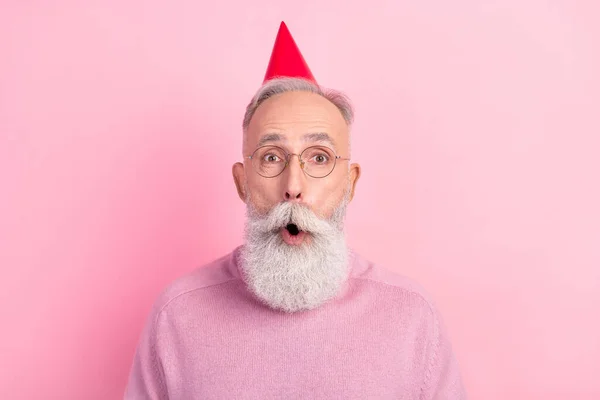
<point x="477" y="129"/>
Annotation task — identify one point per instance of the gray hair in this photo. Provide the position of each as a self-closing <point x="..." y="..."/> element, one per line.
<point x="282" y="85"/>
<point x="314" y="273"/>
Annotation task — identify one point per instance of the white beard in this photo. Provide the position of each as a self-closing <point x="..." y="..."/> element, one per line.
<point x="295" y="278"/>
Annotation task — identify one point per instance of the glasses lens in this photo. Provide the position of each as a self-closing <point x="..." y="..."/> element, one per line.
<point x="269" y="161"/>
<point x="318" y="161"/>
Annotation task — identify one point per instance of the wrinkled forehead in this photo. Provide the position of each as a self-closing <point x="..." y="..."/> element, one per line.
<point x="295" y="119"/>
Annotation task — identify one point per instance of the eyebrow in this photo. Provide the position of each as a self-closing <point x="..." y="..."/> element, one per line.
<point x="271" y="137"/>
<point x="309" y="137"/>
<point x="319" y="137"/>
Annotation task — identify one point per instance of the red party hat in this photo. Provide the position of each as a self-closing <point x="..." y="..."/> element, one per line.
<point x="286" y="59"/>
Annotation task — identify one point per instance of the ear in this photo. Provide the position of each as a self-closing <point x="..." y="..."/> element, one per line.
<point x="239" y="177"/>
<point x="353" y="175"/>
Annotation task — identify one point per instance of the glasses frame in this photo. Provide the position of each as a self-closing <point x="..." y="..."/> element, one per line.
<point x="287" y="160"/>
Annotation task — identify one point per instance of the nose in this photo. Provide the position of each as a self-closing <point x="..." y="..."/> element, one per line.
<point x="295" y="180"/>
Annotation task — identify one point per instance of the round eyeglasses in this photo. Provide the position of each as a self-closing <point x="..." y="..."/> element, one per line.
<point x="315" y="161"/>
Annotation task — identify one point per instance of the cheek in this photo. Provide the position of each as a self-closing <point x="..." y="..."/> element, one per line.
<point x="263" y="193"/>
<point x="329" y="195"/>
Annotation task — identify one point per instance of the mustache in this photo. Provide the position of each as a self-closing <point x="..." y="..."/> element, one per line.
<point x="291" y="213"/>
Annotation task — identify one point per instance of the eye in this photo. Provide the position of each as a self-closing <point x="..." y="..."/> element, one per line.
<point x="271" y="158"/>
<point x="320" y="158"/>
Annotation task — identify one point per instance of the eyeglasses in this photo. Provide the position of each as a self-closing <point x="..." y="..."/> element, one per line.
<point x="315" y="161"/>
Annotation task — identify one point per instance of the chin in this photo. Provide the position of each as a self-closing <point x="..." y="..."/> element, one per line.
<point x="294" y="278"/>
<point x="293" y="260"/>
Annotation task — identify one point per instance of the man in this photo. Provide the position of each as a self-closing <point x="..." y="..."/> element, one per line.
<point x="293" y="313"/>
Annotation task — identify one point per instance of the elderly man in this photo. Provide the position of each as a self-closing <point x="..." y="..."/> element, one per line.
<point x="293" y="313"/>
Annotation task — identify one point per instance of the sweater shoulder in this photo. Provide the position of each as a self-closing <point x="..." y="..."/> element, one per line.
<point x="216" y="272"/>
<point x="391" y="281"/>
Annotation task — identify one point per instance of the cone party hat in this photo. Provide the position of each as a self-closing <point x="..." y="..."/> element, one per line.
<point x="286" y="59"/>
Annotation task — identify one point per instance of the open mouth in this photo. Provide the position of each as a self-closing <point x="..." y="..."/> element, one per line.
<point x="292" y="229"/>
<point x="293" y="235"/>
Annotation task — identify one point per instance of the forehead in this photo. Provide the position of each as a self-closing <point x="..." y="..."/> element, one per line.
<point x="295" y="116"/>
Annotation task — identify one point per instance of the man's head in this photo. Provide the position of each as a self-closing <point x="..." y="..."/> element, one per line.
<point x="295" y="255"/>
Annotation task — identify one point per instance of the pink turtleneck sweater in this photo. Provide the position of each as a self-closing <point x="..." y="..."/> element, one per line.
<point x="208" y="338"/>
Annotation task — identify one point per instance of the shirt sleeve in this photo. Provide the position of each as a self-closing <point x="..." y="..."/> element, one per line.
<point x="146" y="377"/>
<point x="443" y="379"/>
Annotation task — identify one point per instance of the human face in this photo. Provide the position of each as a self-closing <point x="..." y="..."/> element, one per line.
<point x="295" y="121"/>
